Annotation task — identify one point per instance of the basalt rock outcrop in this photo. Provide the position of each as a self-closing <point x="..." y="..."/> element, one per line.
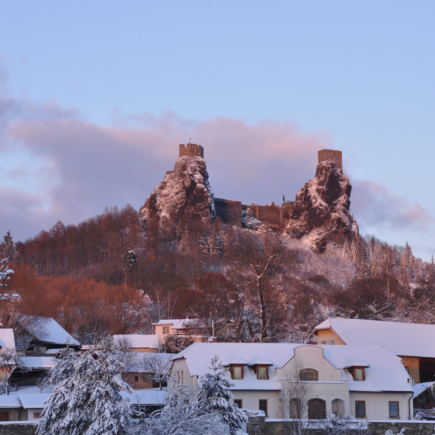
<point x="321" y="208"/>
<point x="185" y="192"/>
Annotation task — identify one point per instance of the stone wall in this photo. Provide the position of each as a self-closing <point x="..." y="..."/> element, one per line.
<point x="335" y="156"/>
<point x="274" y="216"/>
<point x="230" y="212"/>
<point x="262" y="426"/>
<point x="15" y="428"/>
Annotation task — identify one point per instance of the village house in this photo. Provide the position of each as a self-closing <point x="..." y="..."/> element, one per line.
<point x="413" y="343"/>
<point x="138" y="374"/>
<point x="45" y="337"/>
<point x="177" y="327"/>
<point x="303" y="381"/>
<point x="138" y="342"/>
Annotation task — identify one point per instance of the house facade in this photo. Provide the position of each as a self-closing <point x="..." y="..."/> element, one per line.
<point x="177" y="327"/>
<point x="413" y="343"/>
<point x="142" y="343"/>
<point x="303" y="381"/>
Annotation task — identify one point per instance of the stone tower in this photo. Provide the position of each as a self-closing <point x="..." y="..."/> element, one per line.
<point x="335" y="156"/>
<point x="191" y="150"/>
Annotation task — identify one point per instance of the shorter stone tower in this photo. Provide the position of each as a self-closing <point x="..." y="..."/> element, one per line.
<point x="335" y="156"/>
<point x="191" y="150"/>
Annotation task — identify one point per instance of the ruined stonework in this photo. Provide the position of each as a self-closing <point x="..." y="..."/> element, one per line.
<point x="185" y="192"/>
<point x="335" y="156"/>
<point x="274" y="216"/>
<point x="322" y="207"/>
<point x="229" y="212"/>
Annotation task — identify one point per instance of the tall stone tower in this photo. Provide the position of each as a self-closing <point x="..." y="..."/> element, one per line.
<point x="191" y="150"/>
<point x="335" y="156"/>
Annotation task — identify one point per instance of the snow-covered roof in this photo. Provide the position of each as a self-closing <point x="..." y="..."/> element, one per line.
<point x="384" y="371"/>
<point x="419" y="388"/>
<point x="7" y="401"/>
<point x="234" y="359"/>
<point x="176" y="323"/>
<point x="7" y="339"/>
<point x="146" y="397"/>
<point x="33" y="401"/>
<point x="403" y="339"/>
<point x="38" y="362"/>
<point x="48" y="330"/>
<point x="138" y="340"/>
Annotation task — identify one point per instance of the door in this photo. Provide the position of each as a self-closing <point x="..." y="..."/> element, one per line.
<point x="316" y="409"/>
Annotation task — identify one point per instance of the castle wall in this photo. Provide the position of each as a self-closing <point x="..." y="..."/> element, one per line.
<point x="274" y="216"/>
<point x="335" y="156"/>
<point x="230" y="212"/>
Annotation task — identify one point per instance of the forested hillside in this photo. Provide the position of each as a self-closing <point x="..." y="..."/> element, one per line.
<point x="110" y="274"/>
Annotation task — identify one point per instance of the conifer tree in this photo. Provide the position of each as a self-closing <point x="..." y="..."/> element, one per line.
<point x="215" y="393"/>
<point x="86" y="399"/>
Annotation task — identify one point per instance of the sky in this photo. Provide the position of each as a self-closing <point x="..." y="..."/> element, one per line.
<point x="96" y="96"/>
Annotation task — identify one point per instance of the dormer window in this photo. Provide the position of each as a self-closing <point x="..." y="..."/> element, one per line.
<point x="236" y="371"/>
<point x="262" y="372"/>
<point x="358" y="373"/>
<point x="309" y="375"/>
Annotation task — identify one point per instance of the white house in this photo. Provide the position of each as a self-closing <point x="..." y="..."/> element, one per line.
<point x="413" y="343"/>
<point x="294" y="380"/>
<point x="179" y="327"/>
<point x="138" y="342"/>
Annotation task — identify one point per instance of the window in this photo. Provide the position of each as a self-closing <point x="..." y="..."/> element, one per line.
<point x="331" y="342"/>
<point x="262" y="373"/>
<point x="166" y="330"/>
<point x="360" y="409"/>
<point x="309" y="375"/>
<point x="238" y="402"/>
<point x="180" y="377"/>
<point x="358" y="373"/>
<point x="237" y="372"/>
<point x="262" y="406"/>
<point x="144" y="378"/>
<point x="37" y="414"/>
<point x="186" y="401"/>
<point x="136" y="379"/>
<point x="316" y="409"/>
<point x="394" y="409"/>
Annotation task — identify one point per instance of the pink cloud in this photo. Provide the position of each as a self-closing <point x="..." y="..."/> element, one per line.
<point x="374" y="205"/>
<point x="82" y="167"/>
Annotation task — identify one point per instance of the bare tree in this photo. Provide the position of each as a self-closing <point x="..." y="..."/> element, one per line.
<point x="9" y="361"/>
<point x="158" y="367"/>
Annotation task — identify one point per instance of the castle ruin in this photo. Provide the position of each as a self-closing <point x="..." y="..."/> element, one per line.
<point x="335" y="156"/>
<point x="191" y="150"/>
<point x="274" y="216"/>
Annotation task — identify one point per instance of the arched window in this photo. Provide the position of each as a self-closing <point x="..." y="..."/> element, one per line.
<point x="309" y="375"/>
<point x="316" y="409"/>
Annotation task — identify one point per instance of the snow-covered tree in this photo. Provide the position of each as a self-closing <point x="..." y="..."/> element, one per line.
<point x="216" y="395"/>
<point x="5" y="272"/>
<point x="86" y="399"/>
<point x="8" y="249"/>
<point x="179" y="418"/>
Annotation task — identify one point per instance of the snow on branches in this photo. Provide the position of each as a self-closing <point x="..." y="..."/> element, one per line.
<point x="86" y="399"/>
